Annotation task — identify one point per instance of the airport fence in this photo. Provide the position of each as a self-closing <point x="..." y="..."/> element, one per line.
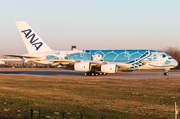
<point x="46" y="114"/>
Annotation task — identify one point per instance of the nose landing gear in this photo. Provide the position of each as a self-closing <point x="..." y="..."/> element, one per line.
<point x="166" y="72"/>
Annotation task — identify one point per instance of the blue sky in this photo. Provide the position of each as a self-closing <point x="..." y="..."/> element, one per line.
<point x="92" y="24"/>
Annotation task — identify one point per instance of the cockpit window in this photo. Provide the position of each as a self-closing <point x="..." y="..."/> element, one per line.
<point x="163" y="56"/>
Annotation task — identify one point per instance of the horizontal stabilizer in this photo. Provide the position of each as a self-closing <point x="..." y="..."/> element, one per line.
<point x="23" y="56"/>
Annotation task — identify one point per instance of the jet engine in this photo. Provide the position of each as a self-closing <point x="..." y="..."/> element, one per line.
<point x="109" y="68"/>
<point x="82" y="66"/>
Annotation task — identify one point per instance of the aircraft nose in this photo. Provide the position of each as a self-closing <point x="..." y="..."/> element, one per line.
<point x="175" y="63"/>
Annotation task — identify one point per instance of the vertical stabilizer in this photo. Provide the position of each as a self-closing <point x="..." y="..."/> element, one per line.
<point x="32" y="41"/>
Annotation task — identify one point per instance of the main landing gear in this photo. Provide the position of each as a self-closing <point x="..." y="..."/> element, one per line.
<point x="94" y="73"/>
<point x="166" y="72"/>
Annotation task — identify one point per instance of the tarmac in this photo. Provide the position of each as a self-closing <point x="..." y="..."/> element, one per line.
<point x="74" y="74"/>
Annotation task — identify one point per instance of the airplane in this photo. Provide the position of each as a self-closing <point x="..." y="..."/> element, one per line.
<point x="6" y="59"/>
<point x="2" y="62"/>
<point x="92" y="62"/>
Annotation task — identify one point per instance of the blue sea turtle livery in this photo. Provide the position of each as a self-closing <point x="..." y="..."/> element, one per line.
<point x="137" y="58"/>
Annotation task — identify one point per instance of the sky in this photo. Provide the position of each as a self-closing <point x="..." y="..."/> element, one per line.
<point x="92" y="24"/>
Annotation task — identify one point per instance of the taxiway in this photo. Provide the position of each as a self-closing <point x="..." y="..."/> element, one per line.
<point x="74" y="74"/>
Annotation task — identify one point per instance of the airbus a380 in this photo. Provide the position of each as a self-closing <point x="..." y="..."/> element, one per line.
<point x="92" y="62"/>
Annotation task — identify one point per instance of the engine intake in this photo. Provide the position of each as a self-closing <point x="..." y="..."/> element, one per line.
<point x="109" y="68"/>
<point x="82" y="66"/>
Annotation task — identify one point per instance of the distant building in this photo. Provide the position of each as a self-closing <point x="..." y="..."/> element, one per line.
<point x="16" y="62"/>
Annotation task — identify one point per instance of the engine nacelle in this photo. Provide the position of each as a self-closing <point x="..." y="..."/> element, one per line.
<point x="109" y="68"/>
<point x="82" y="66"/>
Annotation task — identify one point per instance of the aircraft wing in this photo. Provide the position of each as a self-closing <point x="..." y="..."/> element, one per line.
<point x="71" y="62"/>
<point x="24" y="56"/>
<point x="124" y="66"/>
<point x="55" y="62"/>
<point x="121" y="66"/>
<point x="63" y="62"/>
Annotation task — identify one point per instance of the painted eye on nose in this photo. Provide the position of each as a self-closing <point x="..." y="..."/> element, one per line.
<point x="163" y="56"/>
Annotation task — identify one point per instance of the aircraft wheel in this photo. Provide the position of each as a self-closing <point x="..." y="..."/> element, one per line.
<point x="86" y="74"/>
<point x="166" y="74"/>
<point x="92" y="74"/>
<point x="97" y="74"/>
<point x="104" y="73"/>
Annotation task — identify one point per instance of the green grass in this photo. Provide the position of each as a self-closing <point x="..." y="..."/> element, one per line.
<point x="122" y="99"/>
